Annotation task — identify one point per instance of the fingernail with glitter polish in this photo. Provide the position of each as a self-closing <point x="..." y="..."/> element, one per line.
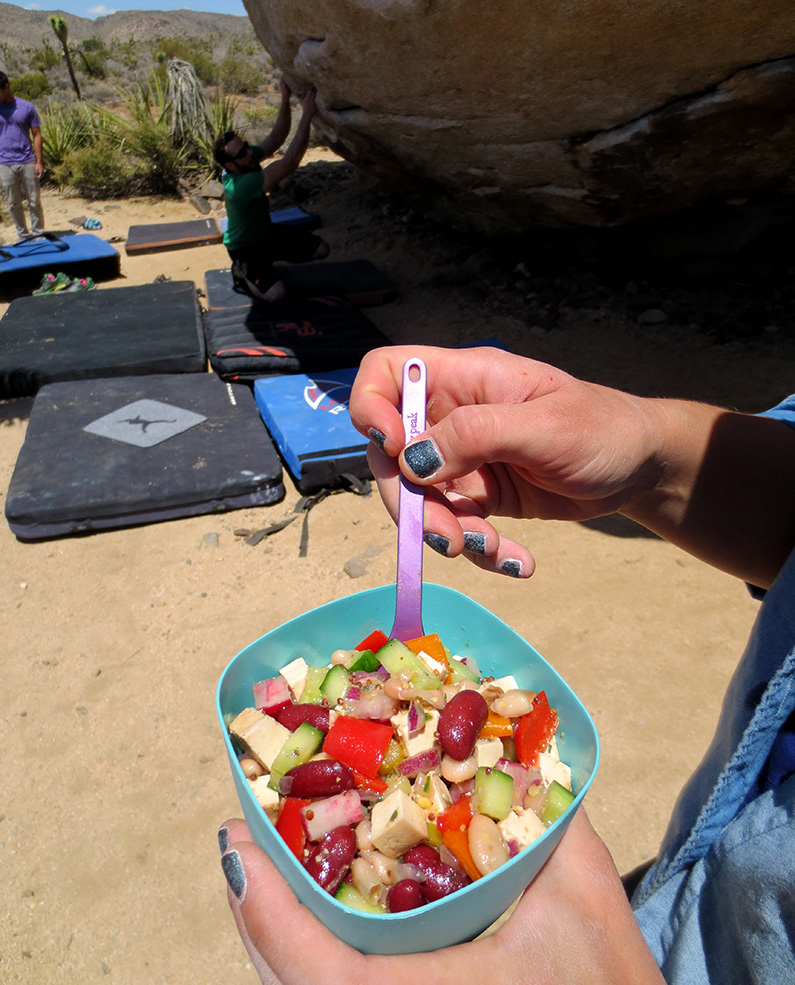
<point x="223" y="839"/>
<point x="511" y="567"/>
<point x="235" y="873"/>
<point x="475" y="543"/>
<point x="437" y="543"/>
<point x="423" y="458"/>
<point x="377" y="437"/>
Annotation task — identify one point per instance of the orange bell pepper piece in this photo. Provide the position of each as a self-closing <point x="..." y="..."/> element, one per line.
<point x="496" y="726"/>
<point x="433" y="646"/>
<point x="453" y="822"/>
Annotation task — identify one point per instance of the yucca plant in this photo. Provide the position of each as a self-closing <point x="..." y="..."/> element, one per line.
<point x="66" y="128"/>
<point x="186" y="108"/>
<point x="61" y="29"/>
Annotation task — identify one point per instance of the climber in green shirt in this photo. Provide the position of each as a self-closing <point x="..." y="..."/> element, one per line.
<point x="253" y="242"/>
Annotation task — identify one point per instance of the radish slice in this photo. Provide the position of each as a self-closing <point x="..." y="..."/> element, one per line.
<point x="271" y="695"/>
<point x="332" y="812"/>
<point x="423" y="762"/>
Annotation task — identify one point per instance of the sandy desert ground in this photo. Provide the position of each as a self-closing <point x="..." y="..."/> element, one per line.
<point x="113" y="774"/>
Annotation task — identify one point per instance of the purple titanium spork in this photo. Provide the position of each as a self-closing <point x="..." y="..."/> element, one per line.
<point x="408" y="605"/>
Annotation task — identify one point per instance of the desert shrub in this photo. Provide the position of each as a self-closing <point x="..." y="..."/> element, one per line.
<point x="44" y="58"/>
<point x="256" y="117"/>
<point x="238" y="75"/>
<point x="31" y="86"/>
<point x="99" y="171"/>
<point x="92" y="63"/>
<point x="94" y="44"/>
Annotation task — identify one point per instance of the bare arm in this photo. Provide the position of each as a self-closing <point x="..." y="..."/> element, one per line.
<point x="281" y="127"/>
<point x="509" y="436"/>
<point x="276" y="172"/>
<point x="36" y="141"/>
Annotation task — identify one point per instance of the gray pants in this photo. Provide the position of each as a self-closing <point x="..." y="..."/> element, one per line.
<point x="20" y="183"/>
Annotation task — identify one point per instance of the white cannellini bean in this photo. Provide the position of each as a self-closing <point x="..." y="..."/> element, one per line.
<point x="365" y="879"/>
<point x="458" y="770"/>
<point x="491" y="692"/>
<point x="385" y="867"/>
<point x="486" y="846"/>
<point x="362" y="832"/>
<point x="513" y="703"/>
<point x="340" y="657"/>
<point x="251" y="768"/>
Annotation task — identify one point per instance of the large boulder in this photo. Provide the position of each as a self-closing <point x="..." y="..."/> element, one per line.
<point x="529" y="112"/>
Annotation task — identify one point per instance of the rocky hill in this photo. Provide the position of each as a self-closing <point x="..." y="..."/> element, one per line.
<point x="25" y="29"/>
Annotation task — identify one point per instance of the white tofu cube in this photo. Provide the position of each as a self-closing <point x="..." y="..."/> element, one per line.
<point x="430" y="793"/>
<point x="489" y="751"/>
<point x="267" y="799"/>
<point x="397" y="824"/>
<point x="553" y="769"/>
<point x="413" y="745"/>
<point x="294" y="673"/>
<point x="523" y="827"/>
<point x="245" y="720"/>
<point x="436" y="667"/>
<point x="262" y="737"/>
<point x="506" y="683"/>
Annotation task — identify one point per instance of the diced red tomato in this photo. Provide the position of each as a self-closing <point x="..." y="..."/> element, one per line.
<point x="358" y="742"/>
<point x="290" y="825"/>
<point x="456" y="817"/>
<point x="374" y="641"/>
<point x="496" y="726"/>
<point x="372" y="784"/>
<point x="535" y="729"/>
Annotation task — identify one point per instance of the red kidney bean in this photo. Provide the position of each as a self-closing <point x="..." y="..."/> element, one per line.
<point x="328" y="861"/>
<point x="441" y="879"/>
<point x="294" y="715"/>
<point x="423" y="856"/>
<point x="459" y="723"/>
<point x="404" y="895"/>
<point x="322" y="778"/>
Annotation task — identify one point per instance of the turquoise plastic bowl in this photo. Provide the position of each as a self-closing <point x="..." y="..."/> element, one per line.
<point x="467" y="629"/>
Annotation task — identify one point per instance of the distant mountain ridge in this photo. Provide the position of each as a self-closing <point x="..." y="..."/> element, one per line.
<point x="26" y="28"/>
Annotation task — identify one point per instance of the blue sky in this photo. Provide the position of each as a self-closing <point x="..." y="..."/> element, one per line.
<point x="92" y="8"/>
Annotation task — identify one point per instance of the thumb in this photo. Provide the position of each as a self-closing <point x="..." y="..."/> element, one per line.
<point x="281" y="935"/>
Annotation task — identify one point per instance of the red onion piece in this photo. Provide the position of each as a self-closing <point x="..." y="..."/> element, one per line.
<point x="423" y="762"/>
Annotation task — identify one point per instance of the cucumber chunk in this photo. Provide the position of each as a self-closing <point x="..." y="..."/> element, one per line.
<point x="298" y="748"/>
<point x="350" y="896"/>
<point x="335" y="684"/>
<point x="493" y="793"/>
<point x="312" y="695"/>
<point x="558" y="799"/>
<point x="364" y="660"/>
<point x="460" y="672"/>
<point x="400" y="660"/>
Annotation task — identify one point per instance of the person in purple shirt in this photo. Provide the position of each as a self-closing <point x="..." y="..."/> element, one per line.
<point x="20" y="159"/>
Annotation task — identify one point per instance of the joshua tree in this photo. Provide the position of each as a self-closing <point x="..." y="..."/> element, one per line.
<point x="58" y="24"/>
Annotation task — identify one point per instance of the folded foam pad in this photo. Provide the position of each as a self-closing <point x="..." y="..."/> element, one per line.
<point x="290" y="336"/>
<point x="309" y="420"/>
<point x="358" y="282"/>
<point x="78" y="255"/>
<point x="121" y="331"/>
<point x="294" y="216"/>
<point x="161" y="236"/>
<point x="120" y="452"/>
